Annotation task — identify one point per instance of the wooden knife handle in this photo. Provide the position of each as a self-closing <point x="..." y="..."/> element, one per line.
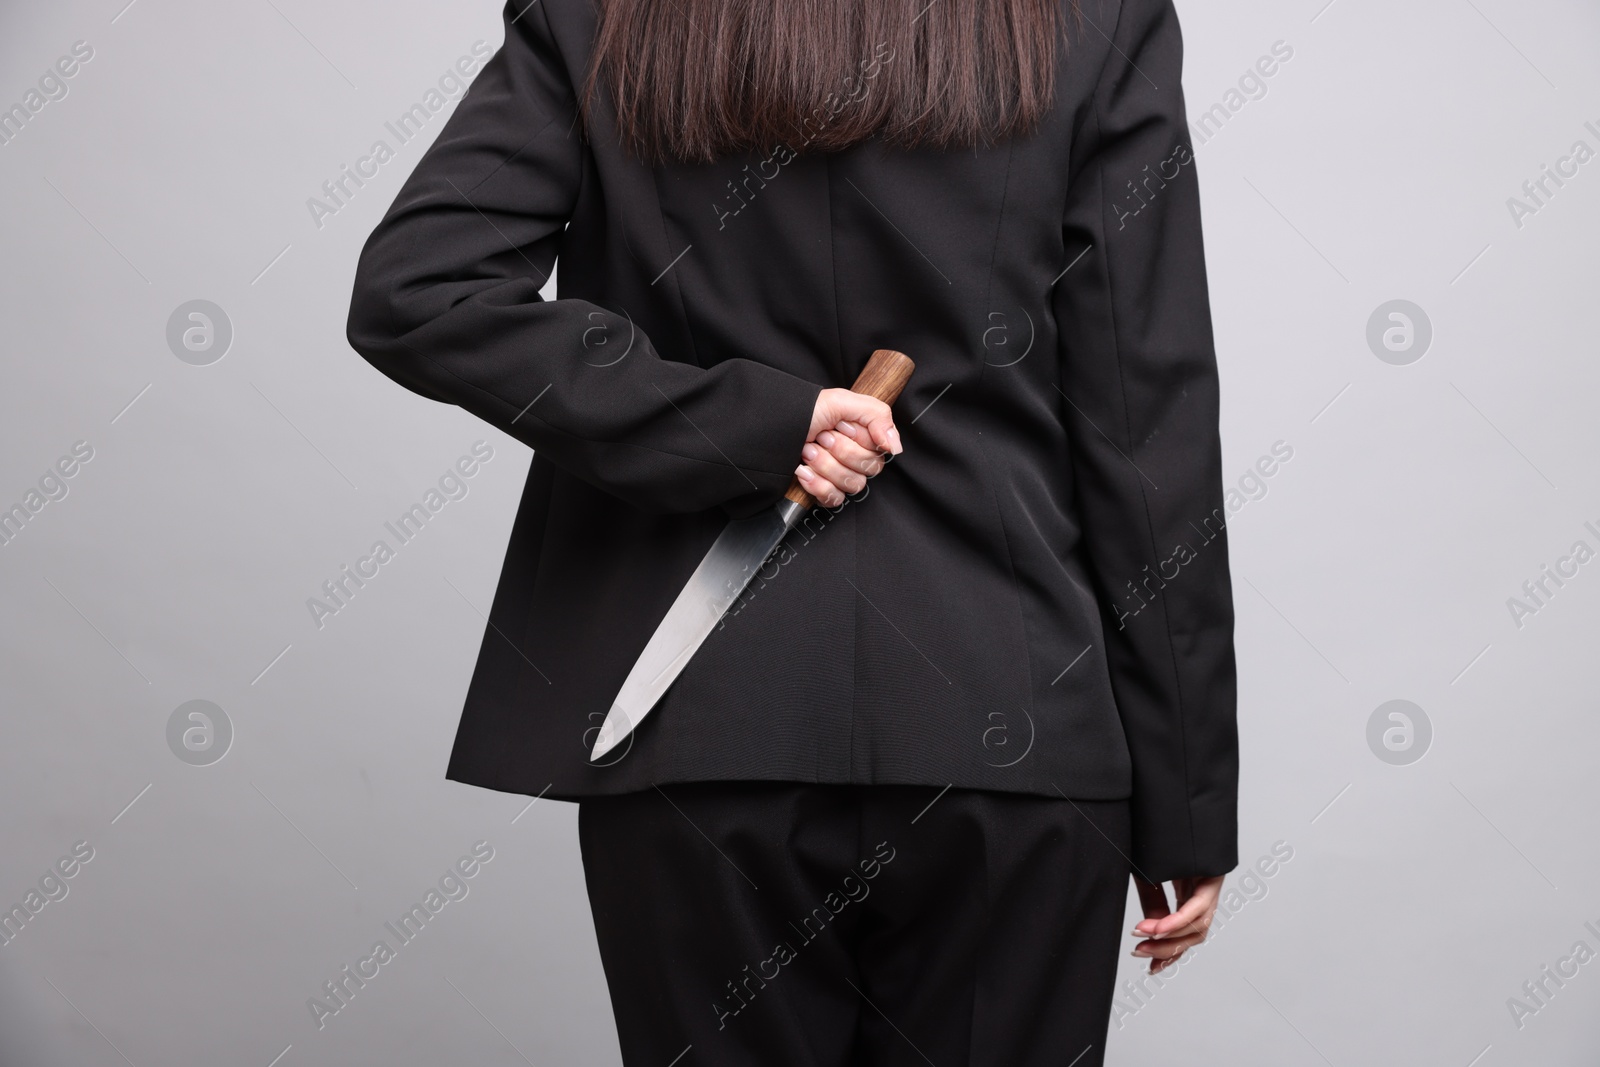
<point x="885" y="374"/>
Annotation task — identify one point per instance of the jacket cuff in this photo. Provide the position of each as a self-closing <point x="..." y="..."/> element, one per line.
<point x="1204" y="844"/>
<point x="772" y="421"/>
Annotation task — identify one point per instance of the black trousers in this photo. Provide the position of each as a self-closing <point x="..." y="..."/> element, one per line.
<point x="776" y="924"/>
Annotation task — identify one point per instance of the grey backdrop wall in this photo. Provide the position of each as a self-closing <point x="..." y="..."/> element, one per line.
<point x="1401" y="227"/>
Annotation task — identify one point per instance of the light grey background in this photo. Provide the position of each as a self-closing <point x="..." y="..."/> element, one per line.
<point x="1377" y="566"/>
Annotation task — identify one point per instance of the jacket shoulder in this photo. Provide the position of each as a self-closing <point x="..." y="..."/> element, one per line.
<point x="570" y="25"/>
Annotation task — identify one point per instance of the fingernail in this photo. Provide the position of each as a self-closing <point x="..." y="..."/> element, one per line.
<point x="809" y="451"/>
<point x="804" y="472"/>
<point x="894" y="441"/>
<point x="825" y="439"/>
<point x="848" y="427"/>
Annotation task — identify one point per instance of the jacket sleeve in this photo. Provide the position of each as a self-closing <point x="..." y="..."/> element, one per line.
<point x="446" y="302"/>
<point x="1139" y="378"/>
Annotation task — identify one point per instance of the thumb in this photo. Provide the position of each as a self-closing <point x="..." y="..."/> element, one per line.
<point x="1153" y="901"/>
<point x="869" y="413"/>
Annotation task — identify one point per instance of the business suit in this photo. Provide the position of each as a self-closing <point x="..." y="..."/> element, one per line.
<point x="1033" y="598"/>
<point x="894" y="925"/>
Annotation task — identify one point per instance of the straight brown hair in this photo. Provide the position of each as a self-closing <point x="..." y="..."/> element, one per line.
<point x="697" y="80"/>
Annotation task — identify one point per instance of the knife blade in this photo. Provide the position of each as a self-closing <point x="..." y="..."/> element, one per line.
<point x="729" y="565"/>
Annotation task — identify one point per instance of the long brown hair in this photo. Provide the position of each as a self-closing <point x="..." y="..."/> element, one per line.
<point x="697" y="80"/>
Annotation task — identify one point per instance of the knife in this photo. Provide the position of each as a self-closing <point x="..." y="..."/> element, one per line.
<point x="735" y="557"/>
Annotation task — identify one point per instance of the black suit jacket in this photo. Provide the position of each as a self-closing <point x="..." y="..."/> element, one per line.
<point x="1033" y="597"/>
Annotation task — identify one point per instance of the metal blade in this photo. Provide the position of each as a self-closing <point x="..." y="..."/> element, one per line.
<point x="739" y="551"/>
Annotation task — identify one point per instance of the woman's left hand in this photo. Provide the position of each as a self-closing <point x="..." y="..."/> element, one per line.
<point x="1169" y="933"/>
